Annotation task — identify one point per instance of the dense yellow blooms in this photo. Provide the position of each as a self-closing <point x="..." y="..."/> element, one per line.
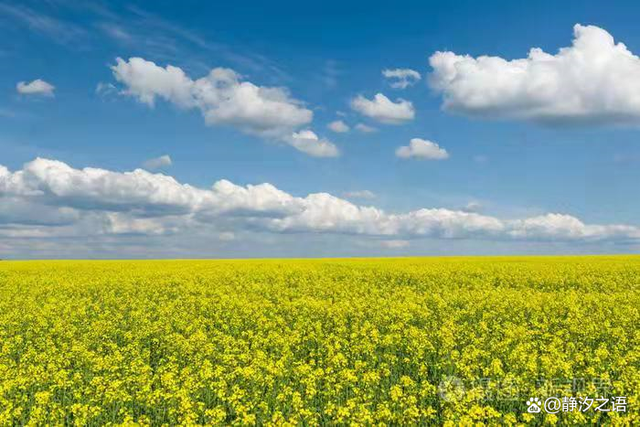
<point x="453" y="341"/>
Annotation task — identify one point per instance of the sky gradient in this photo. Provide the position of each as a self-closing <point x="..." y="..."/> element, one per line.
<point x="139" y="129"/>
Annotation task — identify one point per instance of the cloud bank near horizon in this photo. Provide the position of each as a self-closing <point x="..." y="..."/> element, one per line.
<point x="48" y="199"/>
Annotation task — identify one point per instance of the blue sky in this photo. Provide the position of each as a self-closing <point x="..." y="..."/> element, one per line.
<point x="562" y="141"/>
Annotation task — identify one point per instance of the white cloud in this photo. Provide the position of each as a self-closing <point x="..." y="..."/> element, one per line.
<point x="224" y="99"/>
<point x="308" y="142"/>
<point x="361" y="127"/>
<point x="360" y="194"/>
<point x="384" y="110"/>
<point x="473" y="206"/>
<point x="566" y="227"/>
<point x="594" y="81"/>
<point x="57" y="31"/>
<point x="401" y="78"/>
<point x="116" y="32"/>
<point x="157" y="162"/>
<point x="338" y="126"/>
<point x="98" y="202"/>
<point x="105" y="89"/>
<point x="92" y="191"/>
<point x="222" y="96"/>
<point x="422" y="149"/>
<point x="36" y="87"/>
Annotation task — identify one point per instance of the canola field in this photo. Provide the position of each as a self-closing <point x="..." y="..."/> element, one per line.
<point x="428" y="341"/>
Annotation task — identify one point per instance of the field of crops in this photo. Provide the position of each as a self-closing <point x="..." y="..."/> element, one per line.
<point x="455" y="341"/>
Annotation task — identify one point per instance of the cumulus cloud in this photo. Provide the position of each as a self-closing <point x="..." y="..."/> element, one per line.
<point x="566" y="227"/>
<point x="157" y="162"/>
<point x="338" y="126"/>
<point x="383" y="110"/>
<point x="99" y="202"/>
<point x="595" y="81"/>
<point x="223" y="97"/>
<point x="422" y="149"/>
<point x="401" y="78"/>
<point x="36" y="87"/>
<point x="473" y="206"/>
<point x="308" y="142"/>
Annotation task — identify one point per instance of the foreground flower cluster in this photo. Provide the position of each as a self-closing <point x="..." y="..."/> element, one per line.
<point x="457" y="341"/>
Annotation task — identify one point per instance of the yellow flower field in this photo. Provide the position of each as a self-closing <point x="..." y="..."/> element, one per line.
<point x="457" y="341"/>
